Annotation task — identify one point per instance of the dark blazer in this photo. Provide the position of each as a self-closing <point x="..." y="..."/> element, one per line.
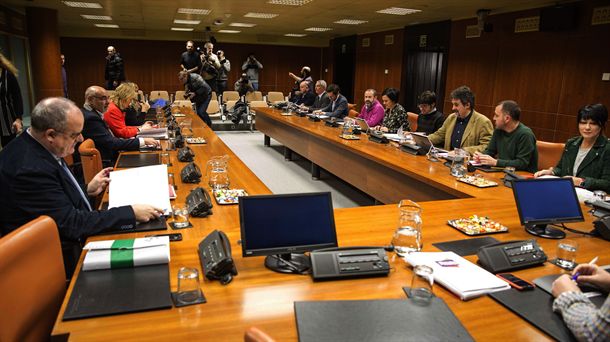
<point x="320" y="102"/>
<point x="306" y="99"/>
<point x="109" y="146"/>
<point x="340" y="110"/>
<point x="595" y="168"/>
<point x="33" y="184"/>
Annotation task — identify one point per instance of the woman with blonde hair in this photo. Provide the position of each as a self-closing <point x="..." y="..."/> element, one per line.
<point x="114" y="117"/>
<point x="11" y="103"/>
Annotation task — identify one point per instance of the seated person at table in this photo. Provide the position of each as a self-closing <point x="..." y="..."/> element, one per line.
<point x="243" y="85"/>
<point x="305" y="76"/>
<point x="337" y="108"/>
<point x="321" y="99"/>
<point x="114" y="117"/>
<point x="372" y="111"/>
<point x="304" y="96"/>
<point x="395" y="115"/>
<point x="429" y="119"/>
<point x="35" y="181"/>
<point x="586" y="158"/>
<point x="581" y="316"/>
<point x="512" y="143"/>
<point x="96" y="101"/>
<point x="465" y="128"/>
<point x="135" y="115"/>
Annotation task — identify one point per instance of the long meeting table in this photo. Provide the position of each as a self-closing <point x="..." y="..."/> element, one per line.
<point x="265" y="299"/>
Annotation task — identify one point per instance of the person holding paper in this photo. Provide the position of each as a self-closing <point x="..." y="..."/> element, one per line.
<point x="586" y="322"/>
<point x="337" y="108"/>
<point x="35" y="181"/>
<point x="115" y="115"/>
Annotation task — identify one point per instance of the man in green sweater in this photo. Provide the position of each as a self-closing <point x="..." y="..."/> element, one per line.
<point x="512" y="143"/>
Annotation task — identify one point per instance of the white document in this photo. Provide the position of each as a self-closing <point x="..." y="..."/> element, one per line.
<point x="140" y="185"/>
<point x="394" y="137"/>
<point x="156" y="133"/>
<point x="146" y="251"/>
<point x="457" y="274"/>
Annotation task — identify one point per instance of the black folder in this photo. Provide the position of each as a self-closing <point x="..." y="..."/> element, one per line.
<point x="118" y="291"/>
<point x="465" y="247"/>
<point x="155" y="224"/>
<point x="136" y="160"/>
<point x="377" y="320"/>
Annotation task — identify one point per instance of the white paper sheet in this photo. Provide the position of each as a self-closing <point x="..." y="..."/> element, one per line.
<point x="140" y="185"/>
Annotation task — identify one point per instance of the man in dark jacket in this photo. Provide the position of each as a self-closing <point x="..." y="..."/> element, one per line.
<point x="114" y="73"/>
<point x="199" y="92"/>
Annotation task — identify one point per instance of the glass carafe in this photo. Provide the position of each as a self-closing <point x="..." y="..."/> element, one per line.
<point x="217" y="172"/>
<point x="459" y="164"/>
<point x="407" y="237"/>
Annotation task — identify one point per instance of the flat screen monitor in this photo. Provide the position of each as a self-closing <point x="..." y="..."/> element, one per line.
<point x="545" y="201"/>
<point x="283" y="227"/>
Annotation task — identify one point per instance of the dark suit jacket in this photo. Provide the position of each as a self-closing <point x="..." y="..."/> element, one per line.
<point x="109" y="146"/>
<point x="320" y="102"/>
<point x="33" y="184"/>
<point x="340" y="110"/>
<point x="306" y="99"/>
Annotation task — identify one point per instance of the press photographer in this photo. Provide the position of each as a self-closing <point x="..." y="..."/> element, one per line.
<point x="243" y="85"/>
<point x="210" y="66"/>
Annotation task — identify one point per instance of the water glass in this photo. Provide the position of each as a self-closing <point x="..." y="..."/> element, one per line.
<point x="181" y="216"/>
<point x="407" y="237"/>
<point x="347" y="128"/>
<point x="188" y="285"/>
<point x="171" y="144"/>
<point x="421" y="284"/>
<point x="165" y="160"/>
<point x="566" y="254"/>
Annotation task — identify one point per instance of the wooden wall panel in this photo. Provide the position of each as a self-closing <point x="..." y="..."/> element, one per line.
<point x="154" y="65"/>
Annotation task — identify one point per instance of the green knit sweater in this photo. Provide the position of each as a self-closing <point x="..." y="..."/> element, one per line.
<point x="517" y="148"/>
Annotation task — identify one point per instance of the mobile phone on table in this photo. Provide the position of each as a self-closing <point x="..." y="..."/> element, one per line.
<point x="517" y="283"/>
<point x="172" y="236"/>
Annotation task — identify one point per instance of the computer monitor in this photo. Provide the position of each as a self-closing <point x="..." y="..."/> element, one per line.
<point x="284" y="227"/>
<point x="545" y="201"/>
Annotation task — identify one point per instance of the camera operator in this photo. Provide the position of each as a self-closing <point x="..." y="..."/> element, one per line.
<point x="243" y="85"/>
<point x="210" y="66"/>
<point x="223" y="72"/>
<point x="252" y="67"/>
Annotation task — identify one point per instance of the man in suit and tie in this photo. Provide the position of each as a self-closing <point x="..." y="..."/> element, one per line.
<point x="96" y="101"/>
<point x="35" y="181"/>
<point x="321" y="99"/>
<point x="337" y="108"/>
<point x="304" y="96"/>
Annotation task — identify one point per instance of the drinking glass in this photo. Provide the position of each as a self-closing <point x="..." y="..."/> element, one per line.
<point x="181" y="216"/>
<point x="407" y="237"/>
<point x="347" y="128"/>
<point x="421" y="284"/>
<point x="566" y="254"/>
<point x="188" y="285"/>
<point x="165" y="159"/>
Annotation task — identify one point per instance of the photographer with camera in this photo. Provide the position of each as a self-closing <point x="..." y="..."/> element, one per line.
<point x="210" y="66"/>
<point x="252" y="67"/>
<point x="243" y="85"/>
<point x="223" y="72"/>
<point x="199" y="92"/>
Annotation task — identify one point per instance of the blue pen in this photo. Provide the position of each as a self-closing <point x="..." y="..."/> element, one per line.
<point x="575" y="276"/>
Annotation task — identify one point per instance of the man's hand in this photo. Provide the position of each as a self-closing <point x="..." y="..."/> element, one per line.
<point x="485" y="159"/>
<point x="152" y="142"/>
<point x="564" y="284"/>
<point x="146" y="125"/>
<point x="99" y="182"/>
<point x="594" y="275"/>
<point x="145" y="212"/>
<point x="17" y="126"/>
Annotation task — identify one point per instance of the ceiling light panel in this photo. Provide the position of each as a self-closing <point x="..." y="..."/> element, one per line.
<point x="289" y="2"/>
<point x="187" y="22"/>
<point x="228" y="31"/>
<point x="82" y="4"/>
<point x="199" y="11"/>
<point x="398" y="11"/>
<point x="242" y="24"/>
<point x="260" y="15"/>
<point x="318" y="29"/>
<point x="182" y="29"/>
<point x="351" y="22"/>
<point x="295" y="35"/>
<point x="96" y="17"/>
<point x="107" y="25"/>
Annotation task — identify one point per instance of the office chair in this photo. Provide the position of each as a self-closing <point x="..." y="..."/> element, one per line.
<point x="33" y="281"/>
<point x="548" y="153"/>
<point x="254" y="334"/>
<point x="254" y="96"/>
<point x="412" y="118"/>
<point x="156" y="94"/>
<point x="91" y="159"/>
<point x="275" y="96"/>
<point x="179" y="96"/>
<point x="229" y="95"/>
<point x="214" y="109"/>
<point x="353" y="113"/>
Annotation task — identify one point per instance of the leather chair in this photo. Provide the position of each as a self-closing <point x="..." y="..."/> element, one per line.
<point x="179" y="96"/>
<point x="353" y="113"/>
<point x="214" y="109"/>
<point x="33" y="282"/>
<point x="412" y="118"/>
<point x="254" y="334"/>
<point x="229" y="95"/>
<point x="258" y="104"/>
<point x="156" y="94"/>
<point x="91" y="159"/>
<point x="548" y="153"/>
<point x="254" y="96"/>
<point x="275" y="96"/>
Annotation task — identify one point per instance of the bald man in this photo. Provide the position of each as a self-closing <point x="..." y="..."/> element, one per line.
<point x="304" y="96"/>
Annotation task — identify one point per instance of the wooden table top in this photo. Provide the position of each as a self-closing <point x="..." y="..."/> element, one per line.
<point x="262" y="298"/>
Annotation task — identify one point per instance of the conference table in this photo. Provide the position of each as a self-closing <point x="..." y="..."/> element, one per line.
<point x="265" y="299"/>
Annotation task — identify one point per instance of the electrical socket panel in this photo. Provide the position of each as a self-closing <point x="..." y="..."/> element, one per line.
<point x="601" y="15"/>
<point x="529" y="24"/>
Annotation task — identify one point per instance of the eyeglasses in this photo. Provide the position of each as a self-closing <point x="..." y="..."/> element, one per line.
<point x="101" y="97"/>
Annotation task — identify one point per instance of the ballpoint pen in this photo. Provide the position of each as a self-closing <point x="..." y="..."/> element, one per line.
<point x="592" y="262"/>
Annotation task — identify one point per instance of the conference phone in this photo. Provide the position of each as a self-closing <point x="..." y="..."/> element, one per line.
<point x="190" y="173"/>
<point x="349" y="262"/>
<point x="511" y="255"/>
<point x="216" y="259"/>
<point x="199" y="203"/>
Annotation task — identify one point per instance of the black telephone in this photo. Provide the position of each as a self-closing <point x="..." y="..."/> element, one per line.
<point x="601" y="210"/>
<point x="349" y="262"/>
<point x="215" y="256"/>
<point x="332" y="122"/>
<point x="179" y="142"/>
<point x="509" y="177"/>
<point x="199" y="203"/>
<point x="378" y="137"/>
<point x="511" y="255"/>
<point x="190" y="173"/>
<point x="186" y="154"/>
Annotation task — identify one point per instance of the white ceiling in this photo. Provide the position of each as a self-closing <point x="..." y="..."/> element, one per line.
<point x="152" y="19"/>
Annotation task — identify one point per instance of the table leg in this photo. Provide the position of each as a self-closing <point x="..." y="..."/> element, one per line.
<point x="267" y="141"/>
<point x="287" y="153"/>
<point x="315" y="171"/>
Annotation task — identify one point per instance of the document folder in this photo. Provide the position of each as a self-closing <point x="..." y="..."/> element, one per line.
<point x="136" y="160"/>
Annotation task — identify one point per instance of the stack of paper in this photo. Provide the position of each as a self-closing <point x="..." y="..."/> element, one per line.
<point x="126" y="253"/>
<point x="155" y="133"/>
<point x="140" y="185"/>
<point x="457" y="274"/>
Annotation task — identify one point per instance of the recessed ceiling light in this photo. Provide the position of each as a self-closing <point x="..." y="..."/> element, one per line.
<point x="82" y="4"/>
<point x="242" y="24"/>
<point x="351" y="22"/>
<point x="194" y="11"/>
<point x="260" y="15"/>
<point x="181" y="29"/>
<point x="295" y="35"/>
<point x="187" y="22"/>
<point x="228" y="31"/>
<point x="96" y="17"/>
<point x="107" y="25"/>
<point x="398" y="11"/>
<point x="289" y="2"/>
<point x="318" y="29"/>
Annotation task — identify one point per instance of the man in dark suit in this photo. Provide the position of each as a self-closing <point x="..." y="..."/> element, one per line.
<point x="96" y="101"/>
<point x="35" y="181"/>
<point x="338" y="104"/>
<point x="304" y="96"/>
<point x="321" y="99"/>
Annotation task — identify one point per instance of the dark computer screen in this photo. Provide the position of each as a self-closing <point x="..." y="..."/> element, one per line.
<point x="292" y="223"/>
<point x="547" y="200"/>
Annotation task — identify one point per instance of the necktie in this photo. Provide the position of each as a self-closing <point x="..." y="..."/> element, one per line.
<point x="75" y="183"/>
